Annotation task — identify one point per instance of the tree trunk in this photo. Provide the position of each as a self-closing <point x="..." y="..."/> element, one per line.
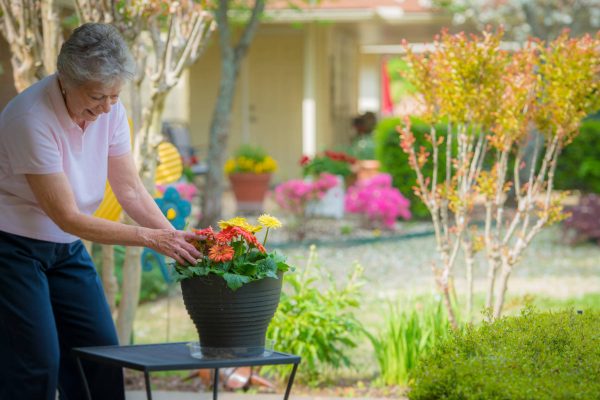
<point x="219" y="132"/>
<point x="109" y="282"/>
<point x="52" y="33"/>
<point x="469" y="261"/>
<point x="132" y="267"/>
<point x="130" y="292"/>
<point x="504" y="275"/>
<point x="449" y="307"/>
<point x="491" y="282"/>
<point x="231" y="58"/>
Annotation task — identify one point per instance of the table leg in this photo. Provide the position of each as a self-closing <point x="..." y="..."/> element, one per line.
<point x="85" y="382"/>
<point x="148" y="387"/>
<point x="216" y="384"/>
<point x="288" y="389"/>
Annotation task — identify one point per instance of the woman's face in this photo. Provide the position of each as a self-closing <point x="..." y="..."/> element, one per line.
<point x="87" y="101"/>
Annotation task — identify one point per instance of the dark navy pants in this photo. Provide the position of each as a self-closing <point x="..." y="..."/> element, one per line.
<point x="51" y="300"/>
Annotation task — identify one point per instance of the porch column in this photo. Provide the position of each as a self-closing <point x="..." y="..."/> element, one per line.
<point x="309" y="107"/>
<point x="245" y="100"/>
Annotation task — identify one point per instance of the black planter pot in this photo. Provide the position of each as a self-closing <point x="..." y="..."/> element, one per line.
<point x="231" y="323"/>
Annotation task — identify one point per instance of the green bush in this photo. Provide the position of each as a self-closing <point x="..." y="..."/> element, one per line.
<point x="406" y="337"/>
<point x="533" y="356"/>
<point x="363" y="147"/>
<point x="153" y="284"/>
<point x="579" y="164"/>
<point x="316" y="320"/>
<point x="395" y="162"/>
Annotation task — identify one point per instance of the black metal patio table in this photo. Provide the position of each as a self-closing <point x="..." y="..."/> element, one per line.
<point x="174" y="356"/>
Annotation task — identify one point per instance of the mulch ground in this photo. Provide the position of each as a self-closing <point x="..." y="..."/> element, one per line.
<point x="134" y="380"/>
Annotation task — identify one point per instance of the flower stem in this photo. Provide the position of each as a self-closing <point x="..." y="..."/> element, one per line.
<point x="266" y="236"/>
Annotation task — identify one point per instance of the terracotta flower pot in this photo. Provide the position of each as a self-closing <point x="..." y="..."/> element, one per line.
<point x="249" y="190"/>
<point x="366" y="169"/>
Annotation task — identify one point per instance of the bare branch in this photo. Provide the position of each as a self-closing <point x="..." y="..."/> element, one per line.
<point x="475" y="161"/>
<point x="250" y="29"/>
<point x="221" y="16"/>
<point x="10" y="21"/>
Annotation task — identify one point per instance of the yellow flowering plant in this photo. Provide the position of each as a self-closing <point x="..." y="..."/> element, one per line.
<point x="251" y="159"/>
<point x="235" y="253"/>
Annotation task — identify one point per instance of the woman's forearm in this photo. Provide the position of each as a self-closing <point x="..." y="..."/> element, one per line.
<point x="54" y="195"/>
<point x="142" y="208"/>
<point x="99" y="230"/>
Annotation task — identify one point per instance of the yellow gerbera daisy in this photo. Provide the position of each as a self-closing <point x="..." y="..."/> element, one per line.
<point x="269" y="221"/>
<point x="240" y="222"/>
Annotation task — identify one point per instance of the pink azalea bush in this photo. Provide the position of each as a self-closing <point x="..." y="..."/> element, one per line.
<point x="294" y="195"/>
<point x="377" y="201"/>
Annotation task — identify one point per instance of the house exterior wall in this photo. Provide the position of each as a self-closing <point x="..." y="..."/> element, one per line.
<point x="177" y="103"/>
<point x="268" y="101"/>
<point x="275" y="69"/>
<point x="343" y="82"/>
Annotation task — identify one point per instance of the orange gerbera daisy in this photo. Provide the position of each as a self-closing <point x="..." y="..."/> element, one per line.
<point x="221" y="253"/>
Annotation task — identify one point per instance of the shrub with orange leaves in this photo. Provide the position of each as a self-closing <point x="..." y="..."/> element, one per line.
<point x="490" y="101"/>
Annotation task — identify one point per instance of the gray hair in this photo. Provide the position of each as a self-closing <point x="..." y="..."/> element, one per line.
<point x="95" y="53"/>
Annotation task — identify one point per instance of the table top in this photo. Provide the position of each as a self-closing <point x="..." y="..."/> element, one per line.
<point x="172" y="356"/>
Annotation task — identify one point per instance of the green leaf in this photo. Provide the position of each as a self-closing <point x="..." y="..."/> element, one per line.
<point x="247" y="269"/>
<point x="199" y="270"/>
<point x="278" y="258"/>
<point x="283" y="267"/>
<point x="267" y="267"/>
<point x="239" y="248"/>
<point x="235" y="281"/>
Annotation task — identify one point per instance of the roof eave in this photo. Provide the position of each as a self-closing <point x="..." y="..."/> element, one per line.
<point x="347" y="15"/>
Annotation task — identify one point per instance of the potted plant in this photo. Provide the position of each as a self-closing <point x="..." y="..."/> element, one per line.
<point x="233" y="290"/>
<point x="295" y="195"/>
<point x="334" y="163"/>
<point x="363" y="150"/>
<point x="249" y="173"/>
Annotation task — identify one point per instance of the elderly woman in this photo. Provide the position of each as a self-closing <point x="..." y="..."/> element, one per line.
<point x="59" y="141"/>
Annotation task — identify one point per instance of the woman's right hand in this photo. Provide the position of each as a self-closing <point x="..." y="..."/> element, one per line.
<point x="174" y="244"/>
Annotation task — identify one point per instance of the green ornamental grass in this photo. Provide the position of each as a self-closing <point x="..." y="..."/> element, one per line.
<point x="407" y="335"/>
<point x="554" y="355"/>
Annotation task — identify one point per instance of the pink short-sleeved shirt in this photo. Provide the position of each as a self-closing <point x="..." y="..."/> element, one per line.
<point x="37" y="136"/>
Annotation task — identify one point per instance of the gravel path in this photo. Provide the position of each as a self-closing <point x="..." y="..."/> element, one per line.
<point x="404" y="265"/>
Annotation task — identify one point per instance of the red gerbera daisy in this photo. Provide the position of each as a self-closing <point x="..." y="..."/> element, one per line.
<point x="247" y="236"/>
<point x="260" y="247"/>
<point x="204" y="245"/>
<point x="221" y="253"/>
<point x="226" y="235"/>
<point x="208" y="232"/>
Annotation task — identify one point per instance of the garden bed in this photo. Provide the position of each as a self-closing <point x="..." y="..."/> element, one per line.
<point x="348" y="231"/>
